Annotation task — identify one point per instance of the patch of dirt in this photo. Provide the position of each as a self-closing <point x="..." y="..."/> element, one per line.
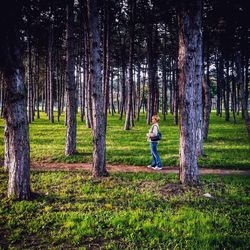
<point x="133" y="169"/>
<point x="176" y="189"/>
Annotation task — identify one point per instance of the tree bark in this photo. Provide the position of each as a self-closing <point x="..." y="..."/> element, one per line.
<point x="207" y="100"/>
<point x="189" y="79"/>
<point x="129" y="113"/>
<point x="70" y="146"/>
<point x="30" y="82"/>
<point x="243" y="96"/>
<point x="16" y="123"/>
<point x="106" y="57"/>
<point x="50" y="77"/>
<point x="37" y="84"/>
<point x="227" y="93"/>
<point x="139" y="100"/>
<point x="98" y="128"/>
<point x="112" y="92"/>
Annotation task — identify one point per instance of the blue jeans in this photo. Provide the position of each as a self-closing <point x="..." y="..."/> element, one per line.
<point x="156" y="161"/>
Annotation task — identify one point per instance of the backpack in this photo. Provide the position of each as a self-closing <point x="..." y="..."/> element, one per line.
<point x="157" y="137"/>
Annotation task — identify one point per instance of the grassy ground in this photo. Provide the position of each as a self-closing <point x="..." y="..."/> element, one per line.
<point x="226" y="147"/>
<point x="133" y="211"/>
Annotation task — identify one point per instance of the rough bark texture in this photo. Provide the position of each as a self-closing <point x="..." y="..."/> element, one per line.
<point x="207" y="100"/>
<point x="98" y="129"/>
<point x="30" y="84"/>
<point x="70" y="146"/>
<point x="6" y="148"/>
<point x="206" y="108"/>
<point x="16" y="121"/>
<point x="189" y="20"/>
<point x="198" y="79"/>
<point x="106" y="57"/>
<point x="15" y="109"/>
<point x="129" y="118"/>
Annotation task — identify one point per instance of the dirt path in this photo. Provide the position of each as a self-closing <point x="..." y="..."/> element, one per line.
<point x="133" y="169"/>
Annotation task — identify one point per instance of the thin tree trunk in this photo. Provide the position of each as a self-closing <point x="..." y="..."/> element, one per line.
<point x="243" y="95"/>
<point x="164" y="88"/>
<point x="112" y="93"/>
<point x="98" y="129"/>
<point x="37" y="84"/>
<point x="129" y="113"/>
<point x="227" y="93"/>
<point x="50" y="77"/>
<point x="30" y="82"/>
<point x="233" y="95"/>
<point x="70" y="146"/>
<point x="123" y="89"/>
<point x="207" y="98"/>
<point x="139" y="100"/>
<point x="106" y="58"/>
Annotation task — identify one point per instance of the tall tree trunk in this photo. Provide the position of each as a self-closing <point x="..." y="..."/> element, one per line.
<point x="198" y="83"/>
<point x="98" y="129"/>
<point x="218" y="86"/>
<point x="37" y="84"/>
<point x="118" y="91"/>
<point x="243" y="96"/>
<point x="189" y="79"/>
<point x="123" y="87"/>
<point x="18" y="136"/>
<point x="30" y="82"/>
<point x="233" y="94"/>
<point x="129" y="113"/>
<point x="70" y="146"/>
<point x="112" y="92"/>
<point x="88" y="103"/>
<point x="46" y="84"/>
<point x="106" y="58"/>
<point x="15" y="109"/>
<point x="227" y="93"/>
<point x="164" y="88"/>
<point x="207" y="99"/>
<point x="139" y="100"/>
<point x="144" y="100"/>
<point x="50" y="77"/>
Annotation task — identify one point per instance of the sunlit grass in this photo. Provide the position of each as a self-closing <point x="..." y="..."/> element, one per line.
<point x="227" y="145"/>
<point x="126" y="210"/>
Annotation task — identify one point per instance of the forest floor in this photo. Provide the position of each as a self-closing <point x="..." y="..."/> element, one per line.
<point x="131" y="169"/>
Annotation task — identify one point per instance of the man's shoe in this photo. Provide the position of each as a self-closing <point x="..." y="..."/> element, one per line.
<point x="149" y="166"/>
<point x="157" y="168"/>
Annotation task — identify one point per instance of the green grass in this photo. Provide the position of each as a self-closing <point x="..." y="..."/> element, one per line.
<point x="134" y="211"/>
<point x="226" y="147"/>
